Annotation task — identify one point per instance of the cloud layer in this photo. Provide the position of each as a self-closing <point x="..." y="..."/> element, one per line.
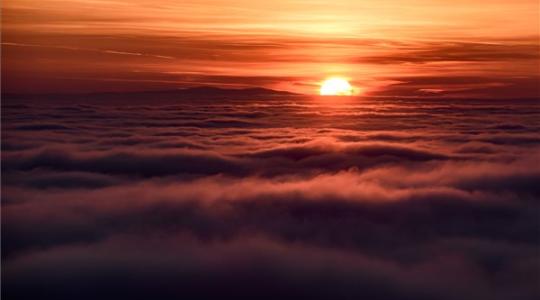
<point x="286" y="198"/>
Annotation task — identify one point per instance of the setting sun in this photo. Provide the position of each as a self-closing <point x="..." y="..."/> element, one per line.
<point x="336" y="86"/>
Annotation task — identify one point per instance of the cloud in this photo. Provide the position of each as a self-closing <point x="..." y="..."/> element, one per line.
<point x="334" y="233"/>
<point x="255" y="265"/>
<point x="463" y="86"/>
<point x="122" y="163"/>
<point x="43" y="127"/>
<point x="64" y="180"/>
<point x="382" y="205"/>
<point x="459" y="52"/>
<point x="86" y="49"/>
<point x="288" y="160"/>
<point x="408" y="199"/>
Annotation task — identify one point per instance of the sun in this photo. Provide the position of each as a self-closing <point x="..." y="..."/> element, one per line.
<point x="336" y="86"/>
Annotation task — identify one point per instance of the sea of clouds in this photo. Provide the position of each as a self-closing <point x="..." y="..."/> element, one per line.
<point x="277" y="199"/>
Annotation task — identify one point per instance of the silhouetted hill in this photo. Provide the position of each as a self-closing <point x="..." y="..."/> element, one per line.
<point x="194" y="94"/>
<point x="211" y="90"/>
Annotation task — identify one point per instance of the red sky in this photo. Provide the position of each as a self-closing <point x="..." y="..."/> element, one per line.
<point x="402" y="47"/>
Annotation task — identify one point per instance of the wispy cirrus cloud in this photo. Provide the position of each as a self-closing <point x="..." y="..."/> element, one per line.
<point x="107" y="51"/>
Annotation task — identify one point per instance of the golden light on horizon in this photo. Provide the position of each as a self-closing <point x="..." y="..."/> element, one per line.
<point x="336" y="86"/>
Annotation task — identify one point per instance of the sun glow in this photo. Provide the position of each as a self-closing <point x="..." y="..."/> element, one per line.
<point x="336" y="86"/>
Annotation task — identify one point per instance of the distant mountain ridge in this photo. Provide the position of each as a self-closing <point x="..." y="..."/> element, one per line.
<point x="200" y="91"/>
<point x="214" y="90"/>
<point x="206" y="90"/>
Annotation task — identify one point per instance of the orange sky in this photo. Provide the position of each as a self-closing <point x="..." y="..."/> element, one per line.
<point x="400" y="47"/>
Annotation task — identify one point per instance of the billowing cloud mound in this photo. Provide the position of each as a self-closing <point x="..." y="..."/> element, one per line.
<point x="279" y="199"/>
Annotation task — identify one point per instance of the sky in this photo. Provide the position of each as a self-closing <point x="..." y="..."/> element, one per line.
<point x="384" y="48"/>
